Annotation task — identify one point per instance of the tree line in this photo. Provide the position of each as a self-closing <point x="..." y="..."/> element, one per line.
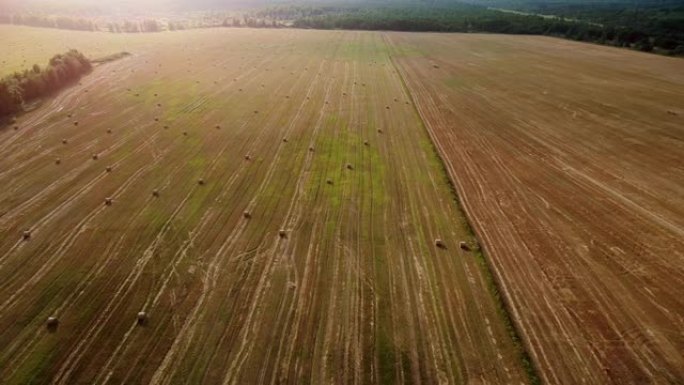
<point x="136" y="26"/>
<point x="658" y="30"/>
<point x="81" y="24"/>
<point x="209" y="20"/>
<point x="61" y="22"/>
<point x="645" y="25"/>
<point x="23" y="87"/>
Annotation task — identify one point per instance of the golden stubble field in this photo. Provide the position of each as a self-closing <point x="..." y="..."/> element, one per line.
<point x="569" y="161"/>
<point x="268" y="198"/>
<point x="271" y="200"/>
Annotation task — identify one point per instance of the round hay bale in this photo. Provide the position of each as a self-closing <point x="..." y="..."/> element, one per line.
<point x="247" y="157"/>
<point x="464" y="246"/>
<point x="387" y="107"/>
<point x="200" y="182"/>
<point x="256" y="111"/>
<point x="108" y="201"/>
<point x="16" y="128"/>
<point x="155" y="193"/>
<point x="69" y="116"/>
<point x="166" y="127"/>
<point x="75" y="123"/>
<point x="439" y="243"/>
<point x="52" y="323"/>
<point x="366" y="143"/>
<point x="185" y="133"/>
<point x="141" y="318"/>
<point x="158" y="104"/>
<point x="109" y="130"/>
<point x="311" y="149"/>
<point x="64" y="141"/>
<point x="58" y="161"/>
<point x="329" y="181"/>
<point x="379" y="130"/>
<point x="284" y="140"/>
<point x="26" y="234"/>
<point x="349" y="166"/>
<point x="108" y="168"/>
<point x="218" y="126"/>
<point x="96" y="157"/>
<point x="246" y="214"/>
<point x="156" y="119"/>
<point x="282" y="233"/>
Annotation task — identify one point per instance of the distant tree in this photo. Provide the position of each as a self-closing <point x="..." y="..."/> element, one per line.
<point x="19" y="88"/>
<point x="150" y="25"/>
<point x="644" y="45"/>
<point x="130" y="27"/>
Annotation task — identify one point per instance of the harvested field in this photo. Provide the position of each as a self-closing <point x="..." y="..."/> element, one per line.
<point x="569" y="160"/>
<point x="192" y="283"/>
<point x="23" y="47"/>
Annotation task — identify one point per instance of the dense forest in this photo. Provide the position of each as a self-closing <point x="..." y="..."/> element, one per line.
<point x="655" y="26"/>
<point x="23" y="87"/>
<point x="650" y="24"/>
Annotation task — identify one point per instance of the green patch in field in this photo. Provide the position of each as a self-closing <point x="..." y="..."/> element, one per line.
<point x="35" y="369"/>
<point x="408" y="51"/>
<point x="386" y="359"/>
<point x="337" y="148"/>
<point x="457" y="82"/>
<point x="356" y="51"/>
